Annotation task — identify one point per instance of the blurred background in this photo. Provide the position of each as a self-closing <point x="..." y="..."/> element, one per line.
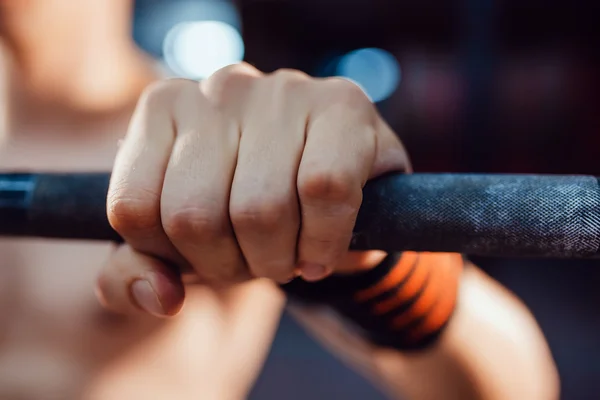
<point x="470" y="86"/>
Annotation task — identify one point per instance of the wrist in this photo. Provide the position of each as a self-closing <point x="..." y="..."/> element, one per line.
<point x="404" y="301"/>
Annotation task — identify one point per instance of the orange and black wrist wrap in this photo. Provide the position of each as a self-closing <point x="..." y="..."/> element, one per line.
<point x="405" y="302"/>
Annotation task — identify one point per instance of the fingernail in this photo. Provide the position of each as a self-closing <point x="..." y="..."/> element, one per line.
<point x="146" y="298"/>
<point x="312" y="271"/>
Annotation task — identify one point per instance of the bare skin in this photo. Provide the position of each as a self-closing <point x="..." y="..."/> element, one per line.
<point x="57" y="342"/>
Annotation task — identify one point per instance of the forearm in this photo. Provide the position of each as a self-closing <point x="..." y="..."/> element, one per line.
<point x="492" y="348"/>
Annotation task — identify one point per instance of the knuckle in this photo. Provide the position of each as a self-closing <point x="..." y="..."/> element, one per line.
<point x="159" y="92"/>
<point x="132" y="212"/>
<point x="289" y="78"/>
<point x="238" y="69"/>
<point x="186" y="93"/>
<point x="261" y="214"/>
<point x="288" y="88"/>
<point x="327" y="186"/>
<point x="226" y="83"/>
<point x="347" y="92"/>
<point x="156" y="89"/>
<point x="193" y="224"/>
<point x="105" y="291"/>
<point x="169" y="96"/>
<point x="102" y="284"/>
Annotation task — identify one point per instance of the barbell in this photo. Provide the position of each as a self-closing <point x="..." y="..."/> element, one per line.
<point x="476" y="214"/>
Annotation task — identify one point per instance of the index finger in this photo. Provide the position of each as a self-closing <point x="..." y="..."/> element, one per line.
<point x="133" y="200"/>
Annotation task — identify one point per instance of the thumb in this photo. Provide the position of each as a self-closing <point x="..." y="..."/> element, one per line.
<point x="132" y="282"/>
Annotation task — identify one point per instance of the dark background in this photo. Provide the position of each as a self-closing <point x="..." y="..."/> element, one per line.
<point x="487" y="86"/>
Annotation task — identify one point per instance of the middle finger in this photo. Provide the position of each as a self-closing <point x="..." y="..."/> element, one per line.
<point x="264" y="204"/>
<point x="194" y="202"/>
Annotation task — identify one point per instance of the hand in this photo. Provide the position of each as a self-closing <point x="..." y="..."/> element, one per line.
<point x="242" y="175"/>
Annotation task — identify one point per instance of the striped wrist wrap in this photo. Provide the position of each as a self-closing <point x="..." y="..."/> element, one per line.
<point x="404" y="302"/>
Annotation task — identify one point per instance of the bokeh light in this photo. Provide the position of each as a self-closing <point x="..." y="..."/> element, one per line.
<point x="197" y="49"/>
<point x="376" y="71"/>
<point x="154" y="22"/>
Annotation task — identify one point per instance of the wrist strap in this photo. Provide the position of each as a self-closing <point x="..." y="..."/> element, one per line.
<point x="404" y="302"/>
